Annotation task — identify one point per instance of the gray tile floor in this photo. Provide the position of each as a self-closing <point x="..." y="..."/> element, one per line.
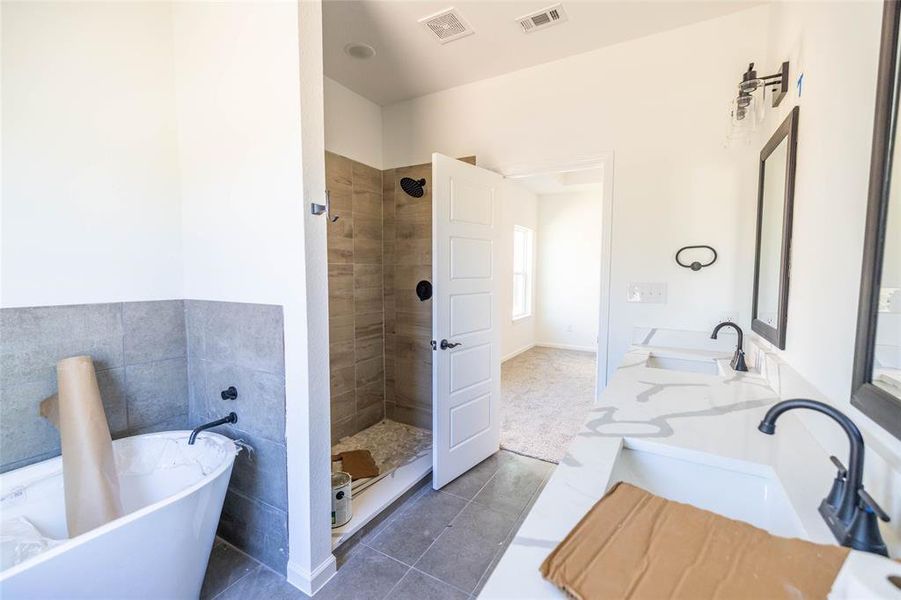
<point x="430" y="545"/>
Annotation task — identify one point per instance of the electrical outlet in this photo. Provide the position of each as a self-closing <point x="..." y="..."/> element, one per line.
<point x="647" y="293"/>
<point x="889" y="300"/>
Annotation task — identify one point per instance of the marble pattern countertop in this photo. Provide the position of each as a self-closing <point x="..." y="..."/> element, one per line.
<point x="679" y="414"/>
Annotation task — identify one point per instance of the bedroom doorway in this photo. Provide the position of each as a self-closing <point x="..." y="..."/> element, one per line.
<point x="555" y="331"/>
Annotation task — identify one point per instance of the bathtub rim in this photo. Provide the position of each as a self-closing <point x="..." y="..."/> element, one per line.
<point x="132" y="516"/>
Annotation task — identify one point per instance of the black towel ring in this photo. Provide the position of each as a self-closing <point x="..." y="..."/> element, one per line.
<point x="695" y="266"/>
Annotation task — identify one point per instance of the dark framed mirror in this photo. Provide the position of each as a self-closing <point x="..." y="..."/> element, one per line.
<point x="876" y="380"/>
<point x="775" y="204"/>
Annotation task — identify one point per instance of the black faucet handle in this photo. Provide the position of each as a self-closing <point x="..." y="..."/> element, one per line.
<point x="842" y="471"/>
<point x="837" y="493"/>
<point x="868" y="501"/>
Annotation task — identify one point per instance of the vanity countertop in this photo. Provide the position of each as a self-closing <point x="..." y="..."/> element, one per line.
<point x="673" y="413"/>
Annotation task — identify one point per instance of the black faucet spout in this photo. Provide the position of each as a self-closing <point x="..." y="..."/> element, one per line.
<point x="738" y="359"/>
<point x="848" y="509"/>
<point x="849" y="501"/>
<point x="231" y="418"/>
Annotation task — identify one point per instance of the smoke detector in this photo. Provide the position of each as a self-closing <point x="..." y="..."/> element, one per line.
<point x="542" y="19"/>
<point x="447" y="25"/>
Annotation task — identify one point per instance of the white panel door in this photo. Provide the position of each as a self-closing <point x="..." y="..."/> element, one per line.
<point x="466" y="365"/>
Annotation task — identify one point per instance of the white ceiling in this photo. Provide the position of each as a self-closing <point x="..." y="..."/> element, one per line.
<point x="565" y="182"/>
<point x="409" y="61"/>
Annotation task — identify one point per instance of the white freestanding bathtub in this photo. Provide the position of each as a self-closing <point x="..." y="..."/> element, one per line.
<point x="172" y="494"/>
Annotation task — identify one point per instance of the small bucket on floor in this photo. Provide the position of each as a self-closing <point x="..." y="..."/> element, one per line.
<point x="341" y="505"/>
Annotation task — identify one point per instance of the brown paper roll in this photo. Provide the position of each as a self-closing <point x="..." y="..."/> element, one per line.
<point x="90" y="480"/>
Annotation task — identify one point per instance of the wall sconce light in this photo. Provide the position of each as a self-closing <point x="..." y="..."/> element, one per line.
<point x="777" y="83"/>
<point x="747" y="107"/>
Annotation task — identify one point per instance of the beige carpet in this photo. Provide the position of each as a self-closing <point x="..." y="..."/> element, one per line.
<point x="546" y="396"/>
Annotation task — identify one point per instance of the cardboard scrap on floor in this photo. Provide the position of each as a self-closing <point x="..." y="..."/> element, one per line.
<point x="633" y="544"/>
<point x="359" y="464"/>
<point x="90" y="479"/>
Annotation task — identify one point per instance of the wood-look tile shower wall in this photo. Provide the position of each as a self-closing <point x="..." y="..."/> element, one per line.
<point x="380" y="332"/>
<point x="356" y="312"/>
<point x="408" y="321"/>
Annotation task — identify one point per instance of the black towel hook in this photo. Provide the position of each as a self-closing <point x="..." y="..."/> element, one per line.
<point x="695" y="266"/>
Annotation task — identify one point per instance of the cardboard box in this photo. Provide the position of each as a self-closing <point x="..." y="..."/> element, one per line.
<point x="633" y="544"/>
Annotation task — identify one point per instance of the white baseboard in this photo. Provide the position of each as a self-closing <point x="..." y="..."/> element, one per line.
<point x="517" y="352"/>
<point x="310" y="582"/>
<point x="567" y="347"/>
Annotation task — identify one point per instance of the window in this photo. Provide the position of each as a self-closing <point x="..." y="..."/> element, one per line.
<point x="522" y="271"/>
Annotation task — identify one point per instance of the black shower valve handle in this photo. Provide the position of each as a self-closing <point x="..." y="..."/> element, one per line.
<point x="424" y="290"/>
<point x="231" y="393"/>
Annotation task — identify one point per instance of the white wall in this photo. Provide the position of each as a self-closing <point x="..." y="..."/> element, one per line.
<point x="834" y="137"/>
<point x="90" y="201"/>
<point x="236" y="88"/>
<point x="311" y="562"/>
<point x="519" y="208"/>
<point x="832" y="177"/>
<point x="169" y="150"/>
<point x="888" y="328"/>
<point x="249" y="172"/>
<point x="353" y="125"/>
<point x="569" y="269"/>
<point x="674" y="182"/>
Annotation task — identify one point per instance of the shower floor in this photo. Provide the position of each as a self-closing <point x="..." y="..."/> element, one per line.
<point x="392" y="445"/>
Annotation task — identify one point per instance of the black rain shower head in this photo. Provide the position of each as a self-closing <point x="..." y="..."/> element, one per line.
<point x="413" y="187"/>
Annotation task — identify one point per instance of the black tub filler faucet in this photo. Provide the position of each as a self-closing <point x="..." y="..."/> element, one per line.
<point x="231" y="418"/>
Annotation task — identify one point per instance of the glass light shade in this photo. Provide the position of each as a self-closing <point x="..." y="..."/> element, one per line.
<point x="747" y="109"/>
<point x="746" y="114"/>
<point x="750" y="85"/>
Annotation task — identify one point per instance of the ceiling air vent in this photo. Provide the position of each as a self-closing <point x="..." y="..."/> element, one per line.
<point x="542" y="19"/>
<point x="447" y="25"/>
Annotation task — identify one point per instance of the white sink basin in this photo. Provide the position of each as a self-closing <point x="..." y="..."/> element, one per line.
<point x="751" y="497"/>
<point x="688" y="365"/>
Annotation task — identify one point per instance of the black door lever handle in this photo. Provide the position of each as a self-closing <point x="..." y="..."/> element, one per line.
<point x="446" y="344"/>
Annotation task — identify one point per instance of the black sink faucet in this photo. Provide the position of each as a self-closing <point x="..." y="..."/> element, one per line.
<point x="738" y="359"/>
<point x="848" y="510"/>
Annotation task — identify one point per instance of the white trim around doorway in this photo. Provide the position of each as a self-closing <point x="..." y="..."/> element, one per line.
<point x="601" y="161"/>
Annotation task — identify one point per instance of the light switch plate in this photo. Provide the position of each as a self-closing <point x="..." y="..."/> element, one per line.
<point x="647" y="293"/>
